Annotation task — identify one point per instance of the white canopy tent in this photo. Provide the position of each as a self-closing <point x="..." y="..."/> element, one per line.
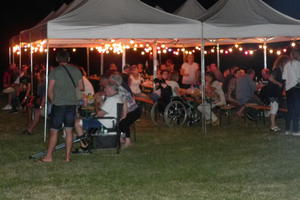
<point x="248" y="21"/>
<point x="99" y="21"/>
<point x="190" y="9"/>
<point x="94" y="21"/>
<point x="236" y="19"/>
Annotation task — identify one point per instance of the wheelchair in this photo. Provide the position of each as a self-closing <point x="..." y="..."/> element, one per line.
<point x="181" y="111"/>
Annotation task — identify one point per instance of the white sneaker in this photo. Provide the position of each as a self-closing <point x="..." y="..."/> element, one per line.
<point x="7" y="107"/>
<point x="296" y="134"/>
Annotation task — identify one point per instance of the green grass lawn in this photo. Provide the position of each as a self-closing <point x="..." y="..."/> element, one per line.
<point x="236" y="161"/>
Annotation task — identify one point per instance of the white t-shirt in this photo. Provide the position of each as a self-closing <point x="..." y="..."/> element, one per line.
<point x="291" y="74"/>
<point x="173" y="85"/>
<point x="191" y="70"/>
<point x="135" y="85"/>
<point x="110" y="107"/>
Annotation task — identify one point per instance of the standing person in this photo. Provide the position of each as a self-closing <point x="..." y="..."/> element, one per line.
<point x="291" y="75"/>
<point x="38" y="102"/>
<point x="189" y="72"/>
<point x="63" y="81"/>
<point x="274" y="88"/>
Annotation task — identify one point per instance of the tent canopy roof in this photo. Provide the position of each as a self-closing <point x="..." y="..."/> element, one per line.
<point x="121" y="19"/>
<point x="191" y="9"/>
<point x="247" y="19"/>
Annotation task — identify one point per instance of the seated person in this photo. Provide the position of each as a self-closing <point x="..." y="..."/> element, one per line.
<point x="9" y="78"/>
<point x="135" y="80"/>
<point x="108" y="109"/>
<point x="215" y="96"/>
<point x="245" y="90"/>
<point x="133" y="110"/>
<point x="173" y="83"/>
<point x="230" y="90"/>
<point x="162" y="90"/>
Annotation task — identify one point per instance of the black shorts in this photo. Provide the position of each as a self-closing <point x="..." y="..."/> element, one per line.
<point x="63" y="115"/>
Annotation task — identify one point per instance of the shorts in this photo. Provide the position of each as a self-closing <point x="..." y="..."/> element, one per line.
<point x="274" y="108"/>
<point x="90" y="123"/>
<point x="62" y="115"/>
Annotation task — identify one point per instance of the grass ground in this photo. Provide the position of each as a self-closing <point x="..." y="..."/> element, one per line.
<point x="235" y="162"/>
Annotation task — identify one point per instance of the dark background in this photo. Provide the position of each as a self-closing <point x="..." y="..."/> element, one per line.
<point x="20" y="15"/>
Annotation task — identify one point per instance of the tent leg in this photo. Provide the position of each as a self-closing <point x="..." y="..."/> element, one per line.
<point x="9" y="55"/>
<point x="218" y="55"/>
<point x="265" y="56"/>
<point x="88" y="61"/>
<point x="123" y="59"/>
<point x="203" y="81"/>
<point x="31" y="67"/>
<point x="20" y="57"/>
<point x="13" y="58"/>
<point x="155" y="61"/>
<point x="46" y="95"/>
<point x="102" y="63"/>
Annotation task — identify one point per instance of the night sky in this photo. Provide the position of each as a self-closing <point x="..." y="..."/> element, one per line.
<point x="19" y="15"/>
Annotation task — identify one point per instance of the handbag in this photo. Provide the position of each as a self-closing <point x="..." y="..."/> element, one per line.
<point x="78" y="91"/>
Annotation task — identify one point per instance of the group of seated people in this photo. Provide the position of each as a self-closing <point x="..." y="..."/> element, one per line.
<point x="235" y="86"/>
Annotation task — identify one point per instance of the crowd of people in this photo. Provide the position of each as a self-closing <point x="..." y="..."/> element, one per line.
<point x="69" y="87"/>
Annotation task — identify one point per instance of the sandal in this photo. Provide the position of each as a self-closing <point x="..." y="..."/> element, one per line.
<point x="275" y="129"/>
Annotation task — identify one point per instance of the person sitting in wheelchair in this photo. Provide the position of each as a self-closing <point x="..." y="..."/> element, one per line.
<point x="108" y="109"/>
<point x="165" y="91"/>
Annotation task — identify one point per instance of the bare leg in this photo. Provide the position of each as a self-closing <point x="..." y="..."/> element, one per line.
<point x="69" y="143"/>
<point x="79" y="131"/>
<point x="127" y="142"/>
<point x="9" y="98"/>
<point x="241" y="111"/>
<point x="272" y="118"/>
<point x="51" y="146"/>
<point x="37" y="116"/>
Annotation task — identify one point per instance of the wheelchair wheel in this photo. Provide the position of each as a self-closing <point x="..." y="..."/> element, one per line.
<point x="156" y="116"/>
<point x="175" y="114"/>
<point x="194" y="116"/>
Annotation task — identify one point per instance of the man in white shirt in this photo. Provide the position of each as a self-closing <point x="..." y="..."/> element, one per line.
<point x="189" y="72"/>
<point x="108" y="109"/>
<point x="291" y="75"/>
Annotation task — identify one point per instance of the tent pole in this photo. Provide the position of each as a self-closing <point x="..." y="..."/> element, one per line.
<point x="88" y="61"/>
<point x="265" y="55"/>
<point x="218" y="55"/>
<point x="123" y="59"/>
<point x="9" y="55"/>
<point x="31" y="67"/>
<point x="203" y="80"/>
<point x="155" y="63"/>
<point x="13" y="58"/>
<point x="101" y="63"/>
<point x="20" y="57"/>
<point x="46" y="95"/>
